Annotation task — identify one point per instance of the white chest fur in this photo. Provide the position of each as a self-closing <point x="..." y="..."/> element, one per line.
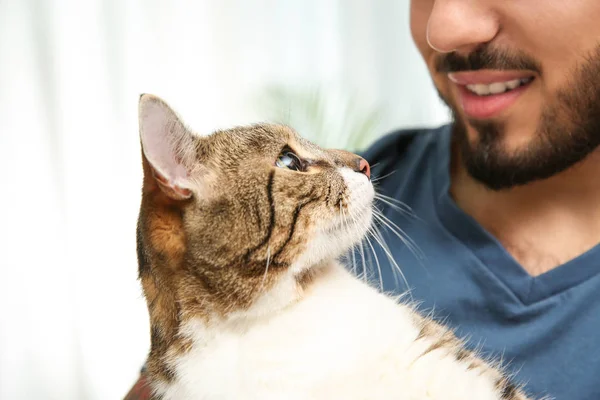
<point x="343" y="340"/>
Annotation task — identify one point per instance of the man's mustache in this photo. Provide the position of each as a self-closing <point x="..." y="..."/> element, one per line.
<point x="486" y="58"/>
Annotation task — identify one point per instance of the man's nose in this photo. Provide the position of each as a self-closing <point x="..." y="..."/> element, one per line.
<point x="461" y="26"/>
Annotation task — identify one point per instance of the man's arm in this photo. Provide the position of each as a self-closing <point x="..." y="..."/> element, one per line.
<point x="141" y="389"/>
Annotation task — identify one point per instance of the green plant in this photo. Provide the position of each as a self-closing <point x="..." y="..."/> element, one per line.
<point x="328" y="117"/>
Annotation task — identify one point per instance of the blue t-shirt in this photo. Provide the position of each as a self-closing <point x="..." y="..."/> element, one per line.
<point x="546" y="328"/>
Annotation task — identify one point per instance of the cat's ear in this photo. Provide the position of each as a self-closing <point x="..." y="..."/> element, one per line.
<point x="168" y="146"/>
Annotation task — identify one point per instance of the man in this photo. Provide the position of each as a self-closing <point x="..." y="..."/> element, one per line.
<point x="508" y="196"/>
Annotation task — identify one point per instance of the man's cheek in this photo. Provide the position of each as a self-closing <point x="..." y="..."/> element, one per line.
<point x="442" y="85"/>
<point x="420" y="10"/>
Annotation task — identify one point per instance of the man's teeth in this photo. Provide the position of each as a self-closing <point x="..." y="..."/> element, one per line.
<point x="497" y="87"/>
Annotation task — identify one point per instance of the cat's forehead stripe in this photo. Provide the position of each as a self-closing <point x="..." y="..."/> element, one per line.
<point x="306" y="149"/>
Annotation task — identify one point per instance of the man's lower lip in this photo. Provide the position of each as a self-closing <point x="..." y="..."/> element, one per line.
<point x="483" y="107"/>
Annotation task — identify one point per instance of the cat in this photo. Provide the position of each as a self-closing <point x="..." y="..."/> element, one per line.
<point x="238" y="238"/>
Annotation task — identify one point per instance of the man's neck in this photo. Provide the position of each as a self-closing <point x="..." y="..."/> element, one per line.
<point x="542" y="224"/>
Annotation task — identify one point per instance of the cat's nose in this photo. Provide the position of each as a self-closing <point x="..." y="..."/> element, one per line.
<point x="363" y="166"/>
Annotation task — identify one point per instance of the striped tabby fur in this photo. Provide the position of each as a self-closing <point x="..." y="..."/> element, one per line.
<point x="237" y="258"/>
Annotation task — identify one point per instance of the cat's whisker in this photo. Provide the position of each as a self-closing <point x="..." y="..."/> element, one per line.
<point x="364" y="261"/>
<point x="346" y="228"/>
<point x="413" y="247"/>
<point x="374" y="231"/>
<point x="365" y="265"/>
<point x="382" y="177"/>
<point x="354" y="267"/>
<point x="262" y="283"/>
<point x="393" y="200"/>
<point x="380" y="240"/>
<point x="396" y="205"/>
<point x="347" y="217"/>
<point x="376" y="262"/>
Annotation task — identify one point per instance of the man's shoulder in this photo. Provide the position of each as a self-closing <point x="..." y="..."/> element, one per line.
<point x="401" y="144"/>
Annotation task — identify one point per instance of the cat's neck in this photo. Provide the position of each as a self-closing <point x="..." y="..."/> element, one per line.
<point x="290" y="289"/>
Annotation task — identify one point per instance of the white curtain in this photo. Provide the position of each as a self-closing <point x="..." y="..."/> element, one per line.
<point x="73" y="321"/>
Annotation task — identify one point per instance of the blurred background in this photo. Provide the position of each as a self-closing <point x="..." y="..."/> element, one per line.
<point x="73" y="322"/>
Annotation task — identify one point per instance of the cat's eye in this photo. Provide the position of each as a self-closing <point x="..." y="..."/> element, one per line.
<point x="288" y="160"/>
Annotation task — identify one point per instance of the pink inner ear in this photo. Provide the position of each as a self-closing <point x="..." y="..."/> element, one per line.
<point x="171" y="190"/>
<point x="165" y="142"/>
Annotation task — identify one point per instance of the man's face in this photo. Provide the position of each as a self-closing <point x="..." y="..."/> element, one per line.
<point x="522" y="79"/>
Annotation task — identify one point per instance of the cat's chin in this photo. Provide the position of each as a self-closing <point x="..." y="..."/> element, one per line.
<point x="321" y="253"/>
<point x="335" y="239"/>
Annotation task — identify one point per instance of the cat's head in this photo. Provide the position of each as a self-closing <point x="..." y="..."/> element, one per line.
<point x="230" y="216"/>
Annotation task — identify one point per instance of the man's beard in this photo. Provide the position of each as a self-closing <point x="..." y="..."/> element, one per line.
<point x="568" y="130"/>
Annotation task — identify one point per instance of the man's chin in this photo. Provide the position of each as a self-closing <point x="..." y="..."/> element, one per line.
<point x="491" y="158"/>
<point x="507" y="135"/>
